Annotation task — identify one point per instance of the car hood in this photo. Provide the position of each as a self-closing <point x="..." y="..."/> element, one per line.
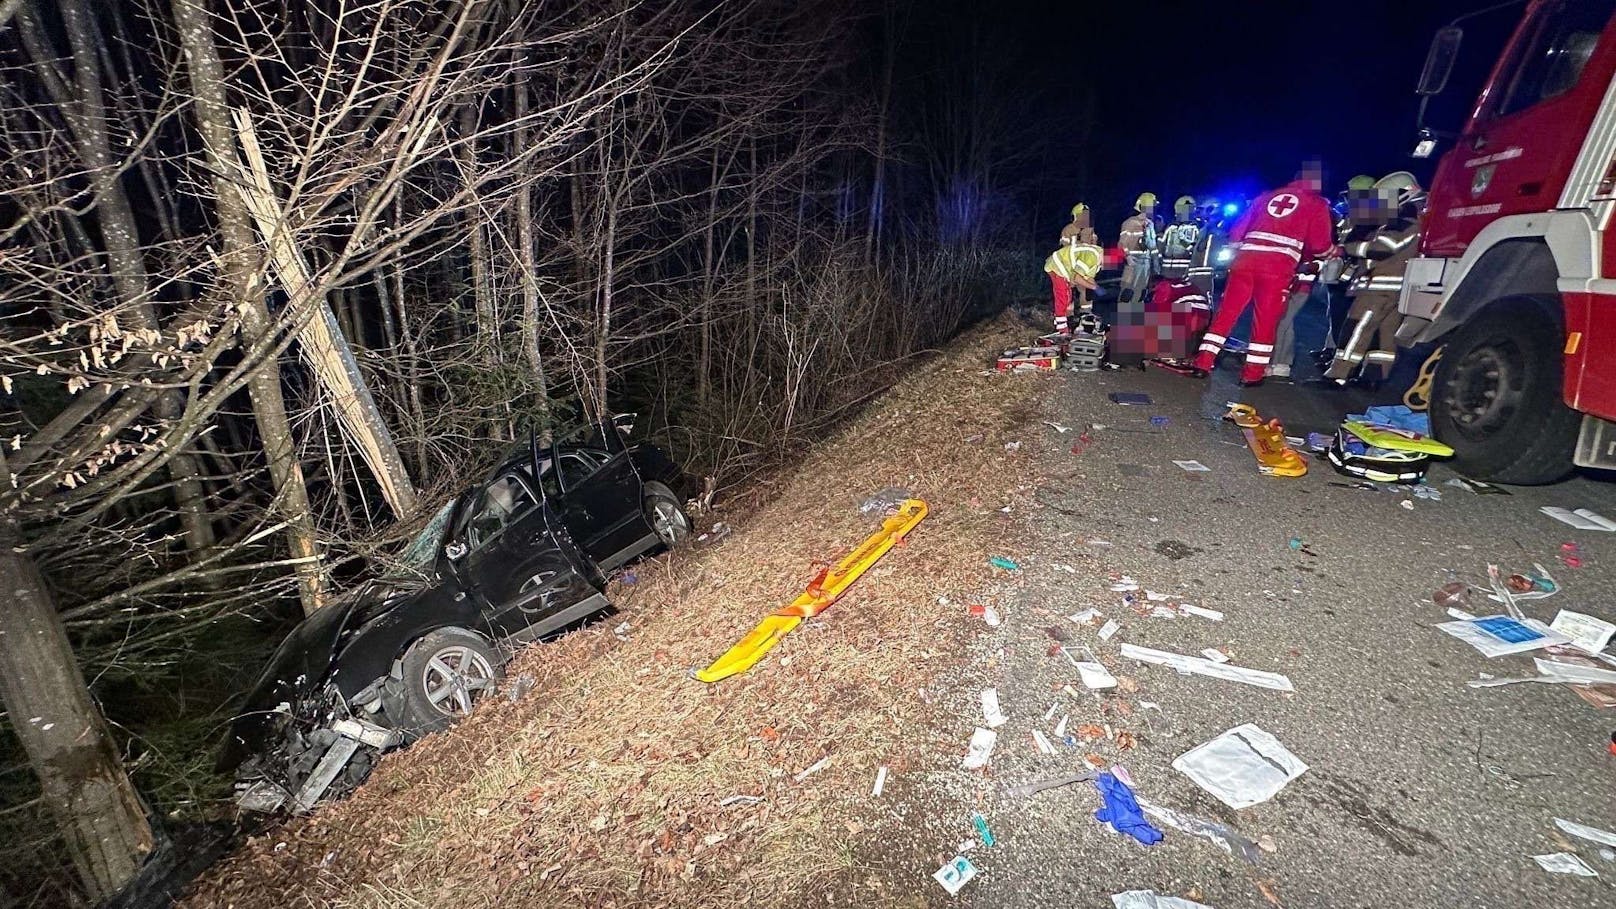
<point x="303" y="662"/>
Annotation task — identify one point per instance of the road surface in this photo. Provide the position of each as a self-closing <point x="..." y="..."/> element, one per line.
<point x="1420" y="791"/>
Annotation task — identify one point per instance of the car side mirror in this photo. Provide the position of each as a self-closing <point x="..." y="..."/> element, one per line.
<point x="456" y="550"/>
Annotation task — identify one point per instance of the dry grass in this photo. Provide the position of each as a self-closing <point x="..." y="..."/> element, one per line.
<point x="601" y="788"/>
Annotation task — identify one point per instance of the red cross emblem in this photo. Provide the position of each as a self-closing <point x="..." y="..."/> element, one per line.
<point x="1283" y="204"/>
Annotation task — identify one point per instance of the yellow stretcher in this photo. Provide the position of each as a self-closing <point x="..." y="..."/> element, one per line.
<point x="817" y="597"/>
<point x="1267" y="442"/>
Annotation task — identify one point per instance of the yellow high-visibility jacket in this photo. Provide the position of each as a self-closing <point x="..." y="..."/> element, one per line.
<point x="1078" y="260"/>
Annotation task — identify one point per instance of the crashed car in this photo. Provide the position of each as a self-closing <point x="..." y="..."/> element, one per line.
<point x="510" y="560"/>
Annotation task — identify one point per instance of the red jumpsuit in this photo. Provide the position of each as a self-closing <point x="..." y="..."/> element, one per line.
<point x="1279" y="230"/>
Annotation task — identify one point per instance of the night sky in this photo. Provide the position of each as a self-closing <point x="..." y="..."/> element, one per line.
<point x="1227" y="98"/>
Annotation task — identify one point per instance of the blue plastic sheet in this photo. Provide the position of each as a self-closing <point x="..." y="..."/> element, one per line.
<point x="1397" y="416"/>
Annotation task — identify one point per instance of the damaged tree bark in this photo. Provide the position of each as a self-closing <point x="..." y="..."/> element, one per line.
<point x="320" y="338"/>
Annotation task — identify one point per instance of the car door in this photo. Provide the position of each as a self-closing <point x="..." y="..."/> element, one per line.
<point x="1516" y="153"/>
<point x="601" y="494"/>
<point x="516" y="557"/>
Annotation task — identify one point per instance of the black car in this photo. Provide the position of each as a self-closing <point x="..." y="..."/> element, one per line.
<point x="508" y="561"/>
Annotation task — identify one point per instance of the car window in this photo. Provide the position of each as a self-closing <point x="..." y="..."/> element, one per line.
<point x="422" y="552"/>
<point x="575" y="469"/>
<point x="1554" y="56"/>
<point x="500" y="503"/>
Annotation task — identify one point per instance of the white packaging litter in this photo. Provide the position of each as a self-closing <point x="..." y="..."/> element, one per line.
<point x="1109" y="630"/>
<point x="1581" y="518"/>
<point x="1200" y="612"/>
<point x="1090" y="670"/>
<point x="981" y="748"/>
<point x="990" y="709"/>
<point x="1150" y="899"/>
<point x="1242" y="767"/>
<point x="1564" y="863"/>
<point x="1042" y="741"/>
<point x="956" y="874"/>
<point x="1215" y="655"/>
<point x="1086" y="617"/>
<point x="880" y="782"/>
<point x="1500" y="635"/>
<point x="1197" y="666"/>
<point x="1582" y="831"/>
<point x="1574" y="674"/>
<point x="1585" y="631"/>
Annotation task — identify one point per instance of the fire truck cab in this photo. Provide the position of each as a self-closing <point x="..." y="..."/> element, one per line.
<point x="1517" y="270"/>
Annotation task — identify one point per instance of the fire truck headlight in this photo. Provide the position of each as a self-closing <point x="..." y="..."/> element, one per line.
<point x="1224" y="256"/>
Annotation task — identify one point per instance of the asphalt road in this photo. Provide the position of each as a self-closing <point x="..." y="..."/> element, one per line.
<point x="1421" y="791"/>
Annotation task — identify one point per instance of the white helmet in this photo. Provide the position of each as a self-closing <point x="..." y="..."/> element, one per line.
<point x="1401" y="186"/>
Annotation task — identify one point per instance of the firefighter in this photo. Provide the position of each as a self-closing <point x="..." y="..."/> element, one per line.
<point x="1081" y="225"/>
<point x="1075" y="262"/>
<point x="1358" y="217"/>
<point x="1179" y="239"/>
<point x="1138" y="244"/>
<point x="1371" y="342"/>
<point x="1281" y="229"/>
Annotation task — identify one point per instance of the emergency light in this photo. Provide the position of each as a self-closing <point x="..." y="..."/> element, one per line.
<point x="1230" y="208"/>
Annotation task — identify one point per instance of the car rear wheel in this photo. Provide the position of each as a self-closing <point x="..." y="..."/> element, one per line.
<point x="665" y="515"/>
<point x="444" y="674"/>
<point x="1496" y="397"/>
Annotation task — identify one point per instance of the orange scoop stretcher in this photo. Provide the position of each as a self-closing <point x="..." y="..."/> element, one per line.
<point x="1275" y="457"/>
<point x="817" y="597"/>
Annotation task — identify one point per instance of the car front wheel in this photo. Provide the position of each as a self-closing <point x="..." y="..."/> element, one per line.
<point x="665" y="515"/>
<point x="443" y="675"/>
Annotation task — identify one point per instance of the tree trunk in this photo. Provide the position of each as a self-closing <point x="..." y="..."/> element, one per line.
<point x="239" y="279"/>
<point x="482" y="296"/>
<point x="607" y="277"/>
<point x="98" y="812"/>
<point x="86" y="113"/>
<point x="527" y="261"/>
<point x="321" y="341"/>
<point x="709" y="265"/>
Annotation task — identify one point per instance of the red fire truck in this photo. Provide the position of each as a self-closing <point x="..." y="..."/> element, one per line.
<point x="1517" y="270"/>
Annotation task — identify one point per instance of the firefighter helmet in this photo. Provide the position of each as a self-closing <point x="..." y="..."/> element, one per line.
<point x="1361" y="182"/>
<point x="1145" y="200"/>
<point x="1078" y="209"/>
<point x="1402" y="187"/>
<point x="1184" y="206"/>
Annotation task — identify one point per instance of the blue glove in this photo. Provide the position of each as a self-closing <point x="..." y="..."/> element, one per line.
<point x="1122" y="812"/>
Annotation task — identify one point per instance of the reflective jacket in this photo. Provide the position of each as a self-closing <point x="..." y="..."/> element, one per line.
<point x="1281" y="228"/>
<point x="1387" y="254"/>
<point x="1079" y="260"/>
<point x="1138" y="235"/>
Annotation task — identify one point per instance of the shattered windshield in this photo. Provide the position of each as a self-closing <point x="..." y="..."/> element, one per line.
<point x="422" y="553"/>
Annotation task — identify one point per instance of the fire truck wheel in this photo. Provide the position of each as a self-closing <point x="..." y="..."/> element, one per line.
<point x="1496" y="396"/>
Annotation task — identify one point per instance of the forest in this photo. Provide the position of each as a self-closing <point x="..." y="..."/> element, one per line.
<point x="276" y="278"/>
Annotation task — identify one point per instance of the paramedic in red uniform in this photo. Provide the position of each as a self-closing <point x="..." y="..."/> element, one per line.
<point x="1280" y="230"/>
